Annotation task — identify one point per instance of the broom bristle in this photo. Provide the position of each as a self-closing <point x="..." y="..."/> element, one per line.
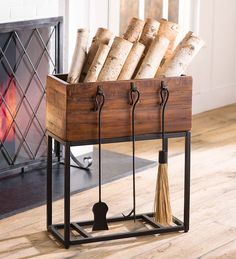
<point x="162" y="208"/>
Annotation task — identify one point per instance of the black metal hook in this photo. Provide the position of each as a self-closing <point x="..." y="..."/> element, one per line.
<point x="164" y="93"/>
<point x="164" y="99"/>
<point x="134" y="95"/>
<point x="99" y="99"/>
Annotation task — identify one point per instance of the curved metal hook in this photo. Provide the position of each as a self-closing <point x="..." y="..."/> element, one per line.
<point x="99" y="99"/>
<point x="134" y="95"/>
<point x="164" y="93"/>
<point x="164" y="100"/>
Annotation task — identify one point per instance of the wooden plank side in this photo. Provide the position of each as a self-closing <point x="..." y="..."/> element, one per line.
<point x="56" y="107"/>
<point x="82" y="121"/>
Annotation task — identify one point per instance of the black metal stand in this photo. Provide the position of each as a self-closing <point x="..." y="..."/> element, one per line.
<point x="84" y="236"/>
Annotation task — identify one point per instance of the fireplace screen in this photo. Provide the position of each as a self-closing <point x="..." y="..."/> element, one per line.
<point x="29" y="51"/>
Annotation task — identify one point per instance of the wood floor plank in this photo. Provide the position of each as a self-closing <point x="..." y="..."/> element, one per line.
<point x="213" y="203"/>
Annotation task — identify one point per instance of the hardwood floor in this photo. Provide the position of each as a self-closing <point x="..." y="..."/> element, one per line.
<point x="213" y="203"/>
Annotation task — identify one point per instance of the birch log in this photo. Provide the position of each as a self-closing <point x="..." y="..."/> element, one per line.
<point x="148" y="35"/>
<point x="103" y="36"/>
<point x="149" y="31"/>
<point x="115" y="60"/>
<point x="79" y="56"/>
<point x="182" y="57"/>
<point x="170" y="31"/>
<point x="132" y="61"/>
<point x="153" y="58"/>
<point x="97" y="63"/>
<point x="134" y="30"/>
<point x="160" y="69"/>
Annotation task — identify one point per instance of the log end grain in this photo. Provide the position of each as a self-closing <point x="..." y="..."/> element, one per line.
<point x="134" y="30"/>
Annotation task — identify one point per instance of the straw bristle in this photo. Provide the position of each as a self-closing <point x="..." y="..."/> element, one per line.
<point x="162" y="208"/>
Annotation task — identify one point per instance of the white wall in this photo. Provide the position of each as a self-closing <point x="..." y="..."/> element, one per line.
<point x="89" y="14"/>
<point x="14" y="10"/>
<point x="214" y="69"/>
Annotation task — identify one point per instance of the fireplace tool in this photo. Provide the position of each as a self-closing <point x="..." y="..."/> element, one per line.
<point x="134" y="96"/>
<point x="100" y="208"/>
<point x="162" y="208"/>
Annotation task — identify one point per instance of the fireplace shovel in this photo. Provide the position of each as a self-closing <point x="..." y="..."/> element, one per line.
<point x="100" y="208"/>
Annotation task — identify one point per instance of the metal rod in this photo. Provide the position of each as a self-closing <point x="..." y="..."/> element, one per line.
<point x="18" y="60"/>
<point x="99" y="102"/>
<point x="67" y="196"/>
<point x="49" y="182"/>
<point x="134" y="100"/>
<point x="121" y="219"/>
<point x="116" y="236"/>
<point x="22" y="136"/>
<point x="31" y="63"/>
<point x="187" y="180"/>
<point x="52" y="229"/>
<point x="45" y="46"/>
<point x="151" y="222"/>
<point x="142" y="137"/>
<point x="165" y="143"/>
<point x="80" y="230"/>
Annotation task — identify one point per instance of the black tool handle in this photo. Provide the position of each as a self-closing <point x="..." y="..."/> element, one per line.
<point x="134" y="98"/>
<point x="99" y="102"/>
<point x="164" y="100"/>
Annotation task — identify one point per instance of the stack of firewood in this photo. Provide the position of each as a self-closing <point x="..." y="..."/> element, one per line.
<point x="146" y="50"/>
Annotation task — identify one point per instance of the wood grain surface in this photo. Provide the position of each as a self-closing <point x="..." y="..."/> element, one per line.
<point x="70" y="115"/>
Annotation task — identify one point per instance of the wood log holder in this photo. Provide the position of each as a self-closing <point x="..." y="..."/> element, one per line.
<point x="133" y="94"/>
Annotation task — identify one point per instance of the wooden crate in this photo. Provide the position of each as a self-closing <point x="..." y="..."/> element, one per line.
<point x="70" y="114"/>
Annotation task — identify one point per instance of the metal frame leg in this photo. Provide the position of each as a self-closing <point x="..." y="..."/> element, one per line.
<point x="84" y="236"/>
<point x="49" y="183"/>
<point x="187" y="181"/>
<point x="67" y="196"/>
<point x="57" y="148"/>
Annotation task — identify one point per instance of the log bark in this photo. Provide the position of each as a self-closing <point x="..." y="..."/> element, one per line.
<point x="115" y="60"/>
<point x="170" y="31"/>
<point x="103" y="36"/>
<point x="149" y="31"/>
<point x="134" y="30"/>
<point x="79" y="56"/>
<point x="97" y="63"/>
<point x="163" y="63"/>
<point x="148" y="35"/>
<point x="183" y="55"/>
<point x="132" y="61"/>
<point x="153" y="58"/>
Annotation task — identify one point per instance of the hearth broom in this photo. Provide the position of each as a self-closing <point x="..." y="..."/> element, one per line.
<point x="162" y="208"/>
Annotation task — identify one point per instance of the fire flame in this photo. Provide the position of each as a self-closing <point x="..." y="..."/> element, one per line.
<point x="7" y="110"/>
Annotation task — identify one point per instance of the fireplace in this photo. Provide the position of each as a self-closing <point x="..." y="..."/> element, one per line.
<point x="29" y="50"/>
